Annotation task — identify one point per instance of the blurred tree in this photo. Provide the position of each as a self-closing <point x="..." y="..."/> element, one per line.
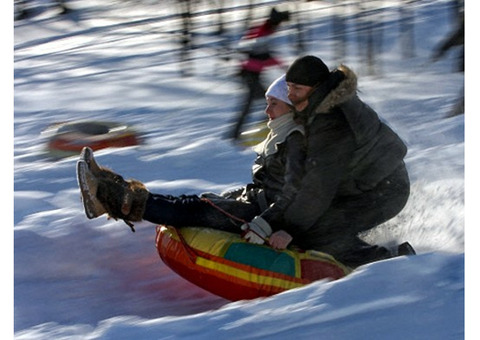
<point x="455" y="40"/>
<point x="339" y="30"/>
<point x="458" y="7"/>
<point x="407" y="27"/>
<point x="185" y="9"/>
<point x="249" y="17"/>
<point x="369" y="30"/>
<point x="299" y="27"/>
<point x="223" y="41"/>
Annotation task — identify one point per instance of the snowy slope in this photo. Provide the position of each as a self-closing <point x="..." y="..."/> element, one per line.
<point x="94" y="279"/>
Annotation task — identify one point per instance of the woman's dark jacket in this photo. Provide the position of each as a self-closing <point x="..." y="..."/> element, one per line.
<point x="277" y="173"/>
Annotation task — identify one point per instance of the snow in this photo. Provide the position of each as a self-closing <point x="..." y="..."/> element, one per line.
<point x="76" y="278"/>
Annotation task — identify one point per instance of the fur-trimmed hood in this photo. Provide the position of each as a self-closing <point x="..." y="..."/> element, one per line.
<point x="342" y="92"/>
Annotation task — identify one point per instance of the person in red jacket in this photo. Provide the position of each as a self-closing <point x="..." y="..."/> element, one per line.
<point x="257" y="45"/>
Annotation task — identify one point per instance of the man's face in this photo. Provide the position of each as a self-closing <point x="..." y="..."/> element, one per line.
<point x="298" y="94"/>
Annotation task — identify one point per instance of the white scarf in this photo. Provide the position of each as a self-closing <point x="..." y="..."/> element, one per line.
<point x="280" y="129"/>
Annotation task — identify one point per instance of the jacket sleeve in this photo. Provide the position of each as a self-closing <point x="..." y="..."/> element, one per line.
<point x="295" y="148"/>
<point x="330" y="147"/>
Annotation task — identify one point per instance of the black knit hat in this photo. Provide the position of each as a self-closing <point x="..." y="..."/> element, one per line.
<point x="308" y="70"/>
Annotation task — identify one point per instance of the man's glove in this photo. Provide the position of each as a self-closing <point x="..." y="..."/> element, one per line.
<point x="256" y="231"/>
<point x="280" y="239"/>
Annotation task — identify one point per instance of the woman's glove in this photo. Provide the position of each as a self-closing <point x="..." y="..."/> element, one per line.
<point x="256" y="231"/>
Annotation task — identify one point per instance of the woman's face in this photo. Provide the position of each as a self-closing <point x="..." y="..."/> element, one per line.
<point x="276" y="108"/>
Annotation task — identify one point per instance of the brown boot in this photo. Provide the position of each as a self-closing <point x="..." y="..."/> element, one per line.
<point x="104" y="191"/>
<point x="122" y="199"/>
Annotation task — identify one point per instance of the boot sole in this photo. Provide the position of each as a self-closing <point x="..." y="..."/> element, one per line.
<point x="88" y="188"/>
<point x="87" y="156"/>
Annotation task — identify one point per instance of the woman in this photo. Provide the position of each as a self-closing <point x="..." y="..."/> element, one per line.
<point x="276" y="175"/>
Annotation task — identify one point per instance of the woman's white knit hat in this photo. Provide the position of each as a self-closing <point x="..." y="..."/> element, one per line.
<point x="279" y="90"/>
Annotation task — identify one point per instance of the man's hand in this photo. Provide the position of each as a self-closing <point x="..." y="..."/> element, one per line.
<point x="280" y="239"/>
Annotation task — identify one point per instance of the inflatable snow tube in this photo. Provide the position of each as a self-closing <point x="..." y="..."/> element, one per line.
<point x="68" y="139"/>
<point x="225" y="265"/>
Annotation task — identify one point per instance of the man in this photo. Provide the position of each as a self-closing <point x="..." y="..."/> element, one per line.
<point x="354" y="177"/>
